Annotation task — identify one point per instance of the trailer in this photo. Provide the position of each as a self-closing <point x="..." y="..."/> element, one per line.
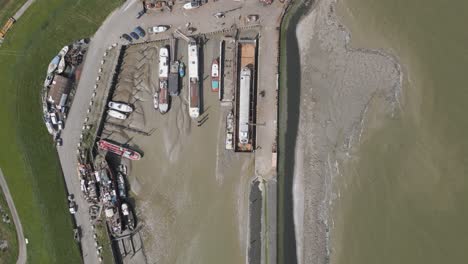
<point x="6" y="28"/>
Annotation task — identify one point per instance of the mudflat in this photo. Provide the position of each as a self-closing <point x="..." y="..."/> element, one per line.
<point x="339" y="87"/>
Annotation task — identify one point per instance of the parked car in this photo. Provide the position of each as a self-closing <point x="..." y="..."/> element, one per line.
<point x="157" y="29"/>
<point x="140" y="31"/>
<point x="140" y="14"/>
<point x="127" y="37"/>
<point x="134" y="35"/>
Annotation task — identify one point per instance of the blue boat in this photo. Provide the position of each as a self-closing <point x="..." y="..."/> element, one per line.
<point x="181" y="69"/>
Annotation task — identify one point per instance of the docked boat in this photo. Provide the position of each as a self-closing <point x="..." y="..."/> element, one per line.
<point x="163" y="97"/>
<point x="128" y="216"/>
<point x="194" y="93"/>
<point x="121" y="107"/>
<point x="181" y="70"/>
<point x="229" y="131"/>
<point x="53" y="65"/>
<point x="163" y="77"/>
<point x="119" y="150"/>
<point x="215" y="76"/>
<point x="121" y="185"/>
<point x="48" y="80"/>
<point x="156" y="100"/>
<point x="117" y="114"/>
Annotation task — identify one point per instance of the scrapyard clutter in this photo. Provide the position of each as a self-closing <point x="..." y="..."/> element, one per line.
<point x="63" y="72"/>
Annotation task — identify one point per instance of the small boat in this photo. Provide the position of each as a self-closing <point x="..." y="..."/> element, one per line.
<point x="48" y="80"/>
<point x="229" y="131"/>
<point x="215" y="76"/>
<point x="128" y="216"/>
<point x="53" y="64"/>
<point x="156" y="101"/>
<point x="163" y="97"/>
<point x="181" y="70"/>
<point x="118" y="150"/>
<point x="121" y="185"/>
<point x="61" y="65"/>
<point x="120" y="107"/>
<point x="189" y="6"/>
<point x="117" y="114"/>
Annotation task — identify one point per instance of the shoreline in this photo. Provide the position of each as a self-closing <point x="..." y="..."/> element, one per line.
<point x="337" y="95"/>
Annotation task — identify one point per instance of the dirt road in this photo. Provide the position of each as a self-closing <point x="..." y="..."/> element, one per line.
<point x="22" y="256"/>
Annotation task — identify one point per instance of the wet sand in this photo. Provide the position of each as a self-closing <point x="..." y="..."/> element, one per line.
<point x="341" y="88"/>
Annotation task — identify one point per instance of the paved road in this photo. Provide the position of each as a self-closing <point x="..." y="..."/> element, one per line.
<point x="23" y="9"/>
<point x="14" y="214"/>
<point x="124" y="20"/>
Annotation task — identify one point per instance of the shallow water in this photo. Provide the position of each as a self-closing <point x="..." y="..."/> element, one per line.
<point x="403" y="195"/>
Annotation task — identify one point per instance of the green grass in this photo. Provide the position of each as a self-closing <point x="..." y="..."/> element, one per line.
<point x="8" y="233"/>
<point x="28" y="158"/>
<point x="103" y="240"/>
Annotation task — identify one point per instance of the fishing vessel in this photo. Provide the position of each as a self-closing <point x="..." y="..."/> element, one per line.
<point x="118" y="150"/>
<point x="215" y="76"/>
<point x="194" y="101"/>
<point x="190" y="5"/>
<point x="121" y="107"/>
<point x="117" y="114"/>
<point x="163" y="76"/>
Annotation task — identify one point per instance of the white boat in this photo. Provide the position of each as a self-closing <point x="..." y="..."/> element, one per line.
<point x="157" y="29"/>
<point x="61" y="65"/>
<point x="117" y="114"/>
<point x="229" y="130"/>
<point x="156" y="100"/>
<point x="120" y="107"/>
<point x="163" y="75"/>
<point x="63" y="51"/>
<point x="53" y="64"/>
<point x="48" y="80"/>
<point x="190" y="6"/>
<point x="194" y="93"/>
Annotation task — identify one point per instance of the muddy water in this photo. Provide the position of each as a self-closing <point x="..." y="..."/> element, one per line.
<point x="403" y="195"/>
<point x="191" y="195"/>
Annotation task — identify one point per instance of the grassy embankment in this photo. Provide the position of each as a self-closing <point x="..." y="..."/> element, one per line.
<point x="28" y="159"/>
<point x="8" y="233"/>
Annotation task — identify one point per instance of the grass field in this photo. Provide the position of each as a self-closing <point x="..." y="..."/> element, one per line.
<point x="8" y="233"/>
<point x="28" y="158"/>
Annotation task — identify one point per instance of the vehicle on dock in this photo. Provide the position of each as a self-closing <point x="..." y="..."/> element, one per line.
<point x="134" y="35"/>
<point x="181" y="70"/>
<point x="158" y="29"/>
<point x="118" y="150"/>
<point x="117" y="114"/>
<point x="127" y="38"/>
<point x="140" y="31"/>
<point x="215" y="76"/>
<point x="191" y="5"/>
<point x="140" y="14"/>
<point x="121" y="107"/>
<point x="129" y="218"/>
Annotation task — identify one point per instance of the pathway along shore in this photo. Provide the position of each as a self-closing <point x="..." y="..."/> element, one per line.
<point x="22" y="256"/>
